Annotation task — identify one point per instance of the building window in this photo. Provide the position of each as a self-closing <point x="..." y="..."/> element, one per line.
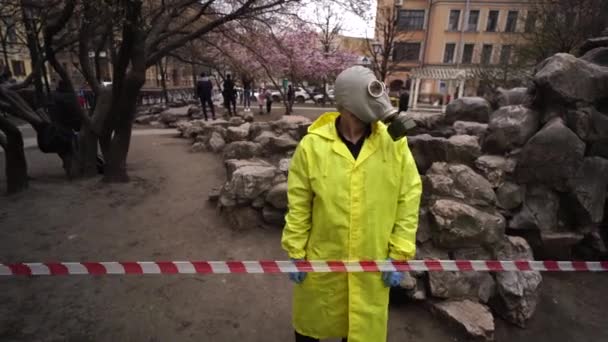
<point x="467" y="53"/>
<point x="505" y="54"/>
<point x="473" y="20"/>
<point x="486" y="54"/>
<point x="406" y="52"/>
<point x="492" y="21"/>
<point x="411" y="19"/>
<point x="511" y="21"/>
<point x="454" y="21"/>
<point x="530" y="21"/>
<point x="18" y="68"/>
<point x="448" y="54"/>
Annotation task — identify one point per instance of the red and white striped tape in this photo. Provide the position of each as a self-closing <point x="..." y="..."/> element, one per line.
<point x="223" y="267"/>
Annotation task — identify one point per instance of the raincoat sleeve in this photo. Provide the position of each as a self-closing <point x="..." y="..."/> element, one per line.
<point x="402" y="243"/>
<point x="298" y="221"/>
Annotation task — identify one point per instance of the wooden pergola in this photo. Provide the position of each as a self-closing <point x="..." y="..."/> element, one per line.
<point x="450" y="74"/>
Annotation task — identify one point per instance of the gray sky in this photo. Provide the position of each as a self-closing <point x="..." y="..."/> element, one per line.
<point x="352" y="24"/>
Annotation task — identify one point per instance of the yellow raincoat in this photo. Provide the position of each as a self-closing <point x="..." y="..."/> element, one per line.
<point x="342" y="209"/>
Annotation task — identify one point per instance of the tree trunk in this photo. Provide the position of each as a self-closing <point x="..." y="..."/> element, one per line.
<point x="116" y="164"/>
<point x="16" y="164"/>
<point x="163" y="81"/>
<point x="5" y="53"/>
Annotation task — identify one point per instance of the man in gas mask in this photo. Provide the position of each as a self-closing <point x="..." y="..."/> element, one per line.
<point x="353" y="193"/>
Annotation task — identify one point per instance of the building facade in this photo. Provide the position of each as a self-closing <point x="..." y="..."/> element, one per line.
<point x="439" y="43"/>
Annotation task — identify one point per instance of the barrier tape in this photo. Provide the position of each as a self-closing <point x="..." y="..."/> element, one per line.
<point x="224" y="267"/>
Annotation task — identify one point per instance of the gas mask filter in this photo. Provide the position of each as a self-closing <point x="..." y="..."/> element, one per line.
<point x="358" y="91"/>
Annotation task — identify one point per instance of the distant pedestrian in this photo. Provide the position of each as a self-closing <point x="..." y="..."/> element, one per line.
<point x="404" y="100"/>
<point x="247" y="86"/>
<point x="291" y="98"/>
<point x="229" y="95"/>
<point x="261" y="99"/>
<point x="204" y="90"/>
<point x="268" y="96"/>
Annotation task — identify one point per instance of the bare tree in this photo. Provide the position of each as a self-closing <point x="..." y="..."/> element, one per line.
<point x="560" y="26"/>
<point x="381" y="50"/>
<point x="329" y="23"/>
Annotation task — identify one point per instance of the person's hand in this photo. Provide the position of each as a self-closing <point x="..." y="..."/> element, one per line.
<point x="392" y="278"/>
<point x="297" y="277"/>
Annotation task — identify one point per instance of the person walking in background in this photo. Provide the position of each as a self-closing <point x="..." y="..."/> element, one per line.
<point x="261" y="98"/>
<point x="268" y="96"/>
<point x="204" y="90"/>
<point x="291" y="97"/>
<point x="247" y="93"/>
<point x="404" y="100"/>
<point x="229" y="95"/>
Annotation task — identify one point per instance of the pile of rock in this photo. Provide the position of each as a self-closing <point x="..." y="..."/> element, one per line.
<point x="524" y="176"/>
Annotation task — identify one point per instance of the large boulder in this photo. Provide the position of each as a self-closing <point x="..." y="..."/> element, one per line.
<point x="427" y="121"/>
<point x="236" y="121"/>
<point x="459" y="225"/>
<point x="518" y="292"/>
<point x="588" y="123"/>
<point x="513" y="97"/>
<point x="495" y="168"/>
<point x="216" y="142"/>
<point x="273" y="144"/>
<point x="473" y="318"/>
<point x="423" y="234"/>
<point x="468" y="109"/>
<point x="510" y="127"/>
<point x="510" y="195"/>
<point x="593" y="43"/>
<point x="247" y="183"/>
<point x="588" y="190"/>
<point x="277" y="196"/>
<point x="551" y="156"/>
<point x="146" y="119"/>
<point x="459" y="182"/>
<point x="597" y="56"/>
<point x="566" y="79"/>
<point x="173" y="115"/>
<point x="539" y="211"/>
<point x="242" y="150"/>
<point x="426" y="149"/>
<point x="470" y="128"/>
<point x="238" y="133"/>
<point x="477" y="286"/>
<point x="235" y="164"/>
<point x="257" y="128"/>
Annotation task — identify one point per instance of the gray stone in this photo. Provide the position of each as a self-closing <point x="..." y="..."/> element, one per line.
<point x="539" y="210"/>
<point x="238" y="133"/>
<point x="273" y="216"/>
<point x="426" y="149"/>
<point x="242" y="150"/>
<point x="592" y="247"/>
<point x="429" y="120"/>
<point x="459" y="182"/>
<point x="423" y="233"/>
<point x="216" y="142"/>
<point x="478" y="286"/>
<point x="510" y="127"/>
<point x="259" y="202"/>
<point x="277" y="196"/>
<point x="236" y="121"/>
<point x="157" y="109"/>
<point x="559" y="245"/>
<point x="551" y="156"/>
<point x="588" y="123"/>
<point x="597" y="56"/>
<point x="248" y="117"/>
<point x="518" y="292"/>
<point x="513" y="97"/>
<point x="173" y="115"/>
<point x="593" y="43"/>
<point x="588" y="190"/>
<point x="473" y="318"/>
<point x="510" y="195"/>
<point x="146" y="119"/>
<point x="470" y="128"/>
<point x="472" y="253"/>
<point x="194" y="111"/>
<point x="257" y="128"/>
<point x="248" y="182"/>
<point x="408" y="282"/>
<point x="242" y="218"/>
<point x="234" y="164"/>
<point x="291" y="122"/>
<point x="273" y="144"/>
<point x="460" y="225"/>
<point x="468" y="109"/>
<point x="198" y="147"/>
<point x="495" y="168"/>
<point x="566" y="79"/>
<point x="428" y="251"/>
<point x="284" y="165"/>
<point x="279" y="178"/>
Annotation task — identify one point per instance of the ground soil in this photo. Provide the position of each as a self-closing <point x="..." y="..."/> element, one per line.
<point x="163" y="214"/>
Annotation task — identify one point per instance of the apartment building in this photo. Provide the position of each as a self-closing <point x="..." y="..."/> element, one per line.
<point x="439" y="42"/>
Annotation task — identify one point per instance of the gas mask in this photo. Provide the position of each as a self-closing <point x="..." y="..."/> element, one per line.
<point x="358" y="91"/>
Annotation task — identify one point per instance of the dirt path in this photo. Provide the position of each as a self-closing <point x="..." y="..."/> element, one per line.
<point x="163" y="214"/>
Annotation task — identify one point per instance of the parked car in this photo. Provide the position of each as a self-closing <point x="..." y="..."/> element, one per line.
<point x="319" y="98"/>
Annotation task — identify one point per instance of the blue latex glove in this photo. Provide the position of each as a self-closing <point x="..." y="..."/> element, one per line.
<point x="392" y="278"/>
<point x="297" y="277"/>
